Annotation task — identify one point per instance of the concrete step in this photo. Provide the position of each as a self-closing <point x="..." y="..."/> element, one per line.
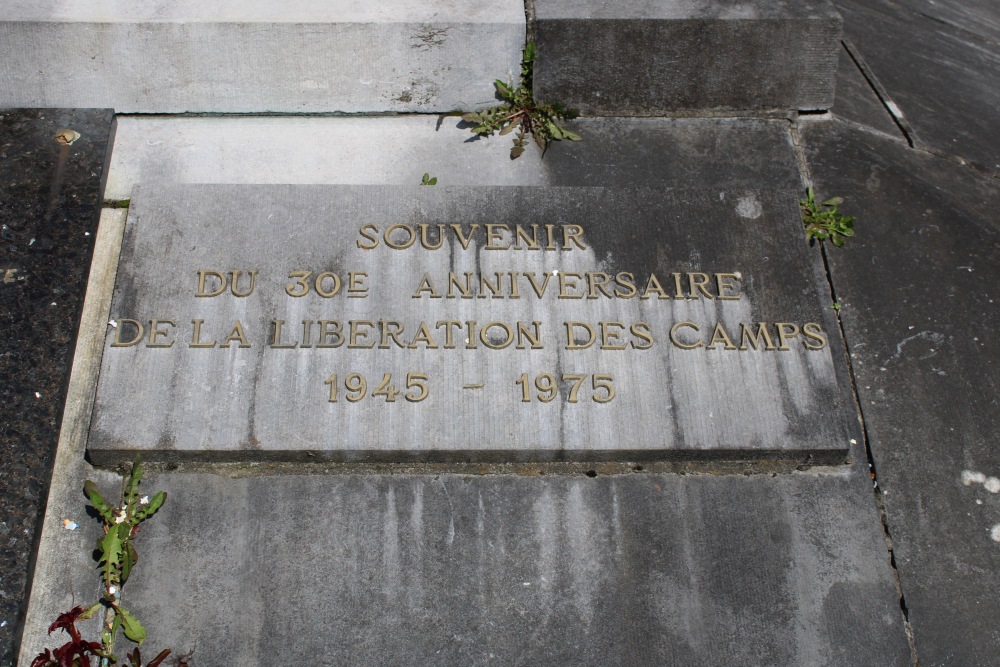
<point x="648" y="58"/>
<point x="240" y="56"/>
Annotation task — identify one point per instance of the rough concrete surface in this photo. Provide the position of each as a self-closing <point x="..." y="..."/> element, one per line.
<point x="684" y="153"/>
<point x="168" y="57"/>
<point x="657" y="57"/>
<point x="921" y="317"/>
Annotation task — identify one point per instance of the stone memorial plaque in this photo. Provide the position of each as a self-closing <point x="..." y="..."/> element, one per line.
<point x="386" y="323"/>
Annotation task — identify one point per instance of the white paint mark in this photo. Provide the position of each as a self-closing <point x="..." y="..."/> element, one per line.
<point x="3" y="624"/>
<point x="894" y="109"/>
<point x="970" y="477"/>
<point x="992" y="484"/>
<point x="38" y="395"/>
<point x="113" y="324"/>
<point x="748" y="207"/>
<point x="995" y="533"/>
<point x="69" y="524"/>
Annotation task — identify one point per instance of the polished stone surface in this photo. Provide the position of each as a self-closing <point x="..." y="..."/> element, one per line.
<point x="857" y="101"/>
<point x="49" y="197"/>
<point x="264" y="321"/>
<point x="921" y="316"/>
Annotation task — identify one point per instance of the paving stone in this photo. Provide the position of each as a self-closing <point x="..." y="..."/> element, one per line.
<point x="244" y="57"/>
<point x="975" y="16"/>
<point x="652" y="332"/>
<point x="49" y="198"/>
<point x="649" y="58"/>
<point x="454" y="569"/>
<point x="921" y="317"/>
<point x="857" y="101"/>
<point x="945" y="82"/>
<point x="681" y="153"/>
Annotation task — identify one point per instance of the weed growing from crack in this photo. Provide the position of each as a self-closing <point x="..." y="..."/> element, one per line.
<point x="521" y="113"/>
<point x="118" y="557"/>
<point x="824" y="222"/>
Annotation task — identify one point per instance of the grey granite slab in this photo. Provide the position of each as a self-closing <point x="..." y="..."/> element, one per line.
<point x="945" y="82"/>
<point x="979" y="17"/>
<point x="50" y="193"/>
<point x="648" y="58"/>
<point x="616" y="323"/>
<point x="857" y="100"/>
<point x="921" y="316"/>
<point x="633" y="569"/>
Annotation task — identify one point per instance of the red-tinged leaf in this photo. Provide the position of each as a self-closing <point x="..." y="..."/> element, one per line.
<point x="67" y="621"/>
<point x="42" y="659"/>
<point x="161" y="656"/>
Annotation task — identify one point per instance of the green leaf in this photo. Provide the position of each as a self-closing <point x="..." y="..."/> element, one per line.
<point x="132" y="487"/>
<point x="129" y="558"/>
<point x="91" y="611"/>
<point x="572" y="136"/>
<point x="156" y="502"/>
<point x="97" y="500"/>
<point x="132" y="627"/>
<point x="111" y="548"/>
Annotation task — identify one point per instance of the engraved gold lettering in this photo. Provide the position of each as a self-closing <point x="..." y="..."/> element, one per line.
<point x="357" y="334"/>
<point x="307" y="333"/>
<point x="203" y="290"/>
<point x="674" y="338"/>
<point x="453" y="282"/>
<point x="487" y="340"/>
<point x="140" y="331"/>
<point x="534" y="338"/>
<point x="275" y="338"/>
<point x="449" y="340"/>
<point x="521" y="235"/>
<point x="653" y="285"/>
<point x="470" y="335"/>
<point x="572" y="342"/>
<point x="610" y="338"/>
<point x="411" y="237"/>
<point x="236" y="335"/>
<point x="572" y="233"/>
<point x="356" y="287"/>
<point x="321" y="289"/>
<point x="678" y="291"/>
<point x="786" y="331"/>
<point x="627" y="281"/>
<point x="462" y="238"/>
<point x="540" y="291"/>
<point x="196" y="336"/>
<point x="568" y="281"/>
<point x="643" y="332"/>
<point x="755" y="340"/>
<point x="390" y="331"/>
<point x="720" y="336"/>
<point x="426" y="286"/>
<point x="495" y="235"/>
<point x="814" y="332"/>
<point x="515" y="290"/>
<point x="598" y="282"/>
<point x="723" y="286"/>
<point x="550" y="235"/>
<point x="494" y="288"/>
<point x="300" y="287"/>
<point x="425" y="241"/>
<point x="330" y="334"/>
<point x="373" y="237"/>
<point x="155" y="333"/>
<point x="698" y="281"/>
<point x="423" y="335"/>
<point x="236" y="279"/>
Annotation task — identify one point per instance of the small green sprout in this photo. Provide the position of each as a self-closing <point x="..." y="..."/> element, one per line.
<point x="823" y="221"/>
<point x="520" y="112"/>
<point x="428" y="179"/>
